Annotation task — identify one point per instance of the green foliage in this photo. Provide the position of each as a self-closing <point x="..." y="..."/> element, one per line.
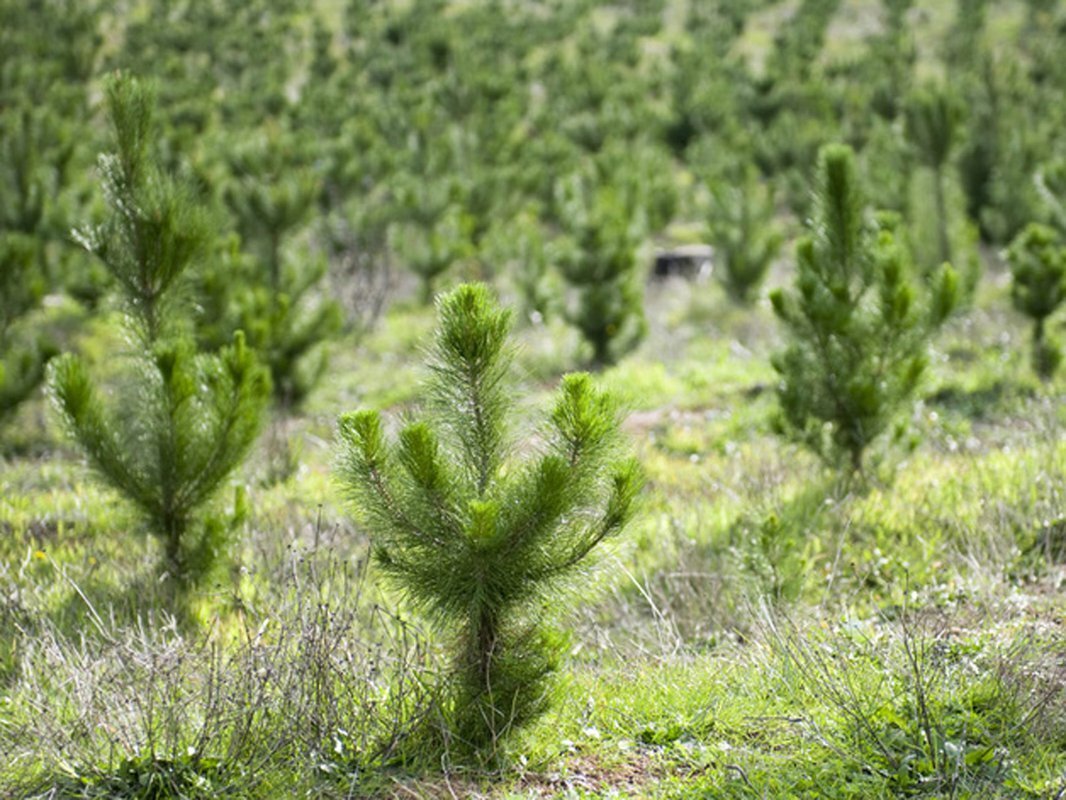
<point x="479" y="539"/>
<point x="35" y="156"/>
<point x="1051" y="186"/>
<point x="857" y="325"/>
<point x="186" y="421"/>
<point x="517" y="248"/>
<point x="933" y="116"/>
<point x="288" y="328"/>
<point x="22" y="357"/>
<point x="800" y="42"/>
<point x="998" y="156"/>
<point x="742" y="229"/>
<point x="597" y="257"/>
<point x="186" y="776"/>
<point x="965" y="39"/>
<point x="1038" y="270"/>
<point x="436" y="233"/>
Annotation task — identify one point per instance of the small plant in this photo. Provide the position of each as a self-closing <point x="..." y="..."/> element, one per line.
<point x="1037" y="259"/>
<point x="597" y="258"/>
<point x="22" y="357"/>
<point x="517" y="249"/>
<point x="431" y="247"/>
<point x="188" y="420"/>
<point x="929" y="713"/>
<point x="480" y="540"/>
<point x="857" y="329"/>
<point x="933" y="117"/>
<point x="277" y="303"/>
<point x="741" y="227"/>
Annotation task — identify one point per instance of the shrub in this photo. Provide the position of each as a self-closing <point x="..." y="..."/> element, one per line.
<point x="1038" y="268"/>
<point x="186" y="420"/>
<point x="481" y="541"/>
<point x="857" y="329"/>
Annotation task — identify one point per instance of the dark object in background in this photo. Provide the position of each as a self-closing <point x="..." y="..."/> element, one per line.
<point x="686" y="261"/>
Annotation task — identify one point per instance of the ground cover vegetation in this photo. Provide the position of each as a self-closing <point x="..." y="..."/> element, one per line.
<point x="798" y="530"/>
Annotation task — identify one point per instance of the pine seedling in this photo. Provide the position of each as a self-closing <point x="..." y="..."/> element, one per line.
<point x="480" y="535"/>
<point x="433" y="232"/>
<point x="516" y="248"/>
<point x="933" y="117"/>
<point x="430" y="249"/>
<point x="597" y="259"/>
<point x="741" y="228"/>
<point x="186" y="420"/>
<point x="278" y="303"/>
<point x="857" y="325"/>
<point x="22" y="356"/>
<point x="1037" y="259"/>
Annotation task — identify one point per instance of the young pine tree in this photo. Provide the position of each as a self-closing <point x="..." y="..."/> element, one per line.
<point x="598" y="259"/>
<point x="857" y="326"/>
<point x="430" y="250"/>
<point x="480" y="534"/>
<point x="22" y="355"/>
<point x="185" y="421"/>
<point x="433" y="233"/>
<point x="1037" y="259"/>
<point x="516" y="249"/>
<point x="278" y="301"/>
<point x="741" y="227"/>
<point x="933" y="117"/>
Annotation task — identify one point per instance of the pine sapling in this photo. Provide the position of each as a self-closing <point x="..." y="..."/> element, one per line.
<point x="857" y="325"/>
<point x="932" y="119"/>
<point x="433" y="232"/>
<point x="1037" y="259"/>
<point x="481" y="535"/>
<point x="430" y="249"/>
<point x="278" y="303"/>
<point x="741" y="228"/>
<point x="933" y="124"/>
<point x="22" y="355"/>
<point x="1050" y="182"/>
<point x="185" y="421"/>
<point x="597" y="258"/>
<point x="516" y="248"/>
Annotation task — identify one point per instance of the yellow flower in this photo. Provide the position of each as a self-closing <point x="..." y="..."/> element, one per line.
<point x="40" y="555"/>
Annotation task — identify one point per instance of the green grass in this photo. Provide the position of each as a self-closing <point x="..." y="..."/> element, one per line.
<point x="687" y="675"/>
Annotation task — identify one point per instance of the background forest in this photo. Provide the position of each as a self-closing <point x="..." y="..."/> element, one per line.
<point x="354" y="443"/>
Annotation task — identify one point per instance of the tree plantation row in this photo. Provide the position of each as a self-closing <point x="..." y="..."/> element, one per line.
<point x="395" y="138"/>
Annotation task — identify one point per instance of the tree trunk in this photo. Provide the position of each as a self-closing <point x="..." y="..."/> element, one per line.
<point x="943" y="243"/>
